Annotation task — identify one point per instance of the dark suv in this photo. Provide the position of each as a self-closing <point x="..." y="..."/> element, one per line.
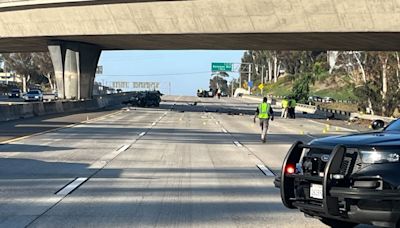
<point x="15" y="93"/>
<point x="346" y="180"/>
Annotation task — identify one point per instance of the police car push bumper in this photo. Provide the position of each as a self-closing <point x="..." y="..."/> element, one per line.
<point x="323" y="189"/>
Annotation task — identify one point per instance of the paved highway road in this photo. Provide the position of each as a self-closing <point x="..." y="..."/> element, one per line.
<point x="183" y="164"/>
<point x="6" y="100"/>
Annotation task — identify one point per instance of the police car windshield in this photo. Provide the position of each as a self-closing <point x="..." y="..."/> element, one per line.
<point x="395" y="126"/>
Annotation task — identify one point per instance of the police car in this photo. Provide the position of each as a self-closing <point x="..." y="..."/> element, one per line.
<point x="346" y="180"/>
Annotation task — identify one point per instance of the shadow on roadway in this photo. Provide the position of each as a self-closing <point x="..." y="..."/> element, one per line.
<point x="27" y="148"/>
<point x="16" y="168"/>
<point x="180" y="135"/>
<point x="22" y="127"/>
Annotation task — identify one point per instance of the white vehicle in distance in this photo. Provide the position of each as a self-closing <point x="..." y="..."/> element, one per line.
<point x="33" y="95"/>
<point x="328" y="100"/>
<point x="52" y="96"/>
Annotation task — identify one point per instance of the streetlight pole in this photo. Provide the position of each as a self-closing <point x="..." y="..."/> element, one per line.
<point x="248" y="82"/>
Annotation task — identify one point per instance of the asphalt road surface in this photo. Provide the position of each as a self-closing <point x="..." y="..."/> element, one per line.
<point x="5" y="99"/>
<point x="184" y="164"/>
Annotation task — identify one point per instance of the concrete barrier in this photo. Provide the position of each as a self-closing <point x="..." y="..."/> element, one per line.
<point x="27" y="110"/>
<point x="355" y="116"/>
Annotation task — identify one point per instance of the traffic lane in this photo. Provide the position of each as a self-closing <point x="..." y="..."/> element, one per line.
<point x="175" y="177"/>
<point x="8" y="99"/>
<point x="3" y="98"/>
<point x="23" y="127"/>
<point x="274" y="151"/>
<point x="281" y="135"/>
<point x="33" y="169"/>
<point x="77" y="143"/>
<point x="248" y="134"/>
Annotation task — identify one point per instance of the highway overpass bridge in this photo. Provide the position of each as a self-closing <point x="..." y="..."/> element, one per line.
<point x="75" y="32"/>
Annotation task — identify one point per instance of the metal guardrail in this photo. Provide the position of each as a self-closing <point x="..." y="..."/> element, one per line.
<point x="354" y="116"/>
<point x="337" y="101"/>
<point x="339" y="113"/>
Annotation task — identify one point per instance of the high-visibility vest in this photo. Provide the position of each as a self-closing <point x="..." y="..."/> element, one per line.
<point x="263" y="111"/>
<point x="285" y="103"/>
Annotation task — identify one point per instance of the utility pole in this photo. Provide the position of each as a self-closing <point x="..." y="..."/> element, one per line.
<point x="232" y="85"/>
<point x="248" y="86"/>
<point x="5" y="71"/>
<point x="262" y="74"/>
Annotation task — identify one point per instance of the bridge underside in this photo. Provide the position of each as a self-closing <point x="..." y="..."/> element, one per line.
<point x="241" y="41"/>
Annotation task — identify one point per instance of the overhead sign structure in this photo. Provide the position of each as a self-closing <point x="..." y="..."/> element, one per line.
<point x="221" y="67"/>
<point x="146" y="85"/>
<point x="136" y="85"/>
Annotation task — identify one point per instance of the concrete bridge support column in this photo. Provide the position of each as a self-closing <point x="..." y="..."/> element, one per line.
<point x="75" y="68"/>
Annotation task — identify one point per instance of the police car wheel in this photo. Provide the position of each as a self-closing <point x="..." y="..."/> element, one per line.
<point x="337" y="223"/>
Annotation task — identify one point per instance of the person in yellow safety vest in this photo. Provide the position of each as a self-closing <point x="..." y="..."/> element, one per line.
<point x="264" y="112"/>
<point x="292" y="107"/>
<point x="285" y="108"/>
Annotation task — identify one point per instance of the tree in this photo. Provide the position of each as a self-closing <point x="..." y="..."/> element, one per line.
<point x="45" y="67"/>
<point x="375" y="77"/>
<point x="31" y="67"/>
<point x="22" y="64"/>
<point x="356" y="65"/>
<point x="218" y="82"/>
<point x="301" y="87"/>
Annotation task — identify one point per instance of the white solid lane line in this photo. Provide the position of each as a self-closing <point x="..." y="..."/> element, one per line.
<point x="266" y="171"/>
<point x="123" y="148"/>
<point x="72" y="186"/>
<point x="238" y="144"/>
<point x="103" y="161"/>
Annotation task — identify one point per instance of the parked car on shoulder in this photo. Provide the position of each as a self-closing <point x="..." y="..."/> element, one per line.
<point x="33" y="95"/>
<point x="15" y="93"/>
<point x="346" y="180"/>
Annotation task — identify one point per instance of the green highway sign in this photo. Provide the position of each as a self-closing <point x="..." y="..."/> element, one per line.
<point x="221" y="67"/>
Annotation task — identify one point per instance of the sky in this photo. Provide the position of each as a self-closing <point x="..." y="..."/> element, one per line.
<point x="192" y="68"/>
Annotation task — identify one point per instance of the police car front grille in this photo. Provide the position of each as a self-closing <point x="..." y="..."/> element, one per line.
<point x="348" y="163"/>
<point x="344" y="167"/>
<point x="318" y="165"/>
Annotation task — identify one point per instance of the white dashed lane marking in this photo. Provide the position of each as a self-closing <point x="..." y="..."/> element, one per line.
<point x="71" y="186"/>
<point x="267" y="172"/>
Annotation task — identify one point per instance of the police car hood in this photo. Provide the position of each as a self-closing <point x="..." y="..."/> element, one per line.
<point x="370" y="139"/>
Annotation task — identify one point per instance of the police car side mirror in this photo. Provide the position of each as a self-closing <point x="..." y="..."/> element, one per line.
<point x="378" y="124"/>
